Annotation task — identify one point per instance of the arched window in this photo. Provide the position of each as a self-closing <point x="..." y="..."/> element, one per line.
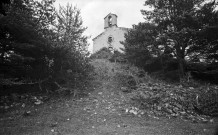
<point x="109" y="21"/>
<point x="110" y="39"/>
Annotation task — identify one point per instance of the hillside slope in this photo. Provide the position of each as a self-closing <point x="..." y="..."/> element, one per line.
<point x="105" y="111"/>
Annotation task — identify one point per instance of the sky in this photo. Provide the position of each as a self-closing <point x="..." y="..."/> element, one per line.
<point x="94" y="11"/>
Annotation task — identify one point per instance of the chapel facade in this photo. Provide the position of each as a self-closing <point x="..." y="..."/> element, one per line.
<point x="111" y="36"/>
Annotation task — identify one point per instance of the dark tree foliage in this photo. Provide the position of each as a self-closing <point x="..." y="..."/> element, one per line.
<point x="145" y="47"/>
<point x="70" y="42"/>
<point x="22" y="47"/>
<point x="2" y="3"/>
<point x="38" y="44"/>
<point x="206" y="40"/>
<point x="177" y="22"/>
<point x="174" y="30"/>
<point x="138" y="49"/>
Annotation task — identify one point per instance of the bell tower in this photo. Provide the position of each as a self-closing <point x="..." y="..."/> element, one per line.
<point x="110" y="20"/>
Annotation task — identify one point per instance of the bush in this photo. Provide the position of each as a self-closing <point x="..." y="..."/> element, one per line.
<point x="204" y="72"/>
<point x="208" y="101"/>
<point x="48" y="49"/>
<point x="103" y="53"/>
<point x="117" y="57"/>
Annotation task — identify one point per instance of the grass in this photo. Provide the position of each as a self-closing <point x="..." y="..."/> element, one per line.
<point x="101" y="112"/>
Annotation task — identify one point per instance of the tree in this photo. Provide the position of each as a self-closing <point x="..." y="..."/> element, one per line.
<point x="206" y="41"/>
<point x="22" y="47"/>
<point x="177" y="23"/>
<point x="2" y="3"/>
<point x="70" y="45"/>
<point x="70" y="28"/>
<point x="39" y="44"/>
<point x="138" y="41"/>
<point x="144" y="46"/>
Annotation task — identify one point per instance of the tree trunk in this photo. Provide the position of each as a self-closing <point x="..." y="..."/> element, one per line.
<point x="180" y="59"/>
<point x="161" y="61"/>
<point x="181" y="67"/>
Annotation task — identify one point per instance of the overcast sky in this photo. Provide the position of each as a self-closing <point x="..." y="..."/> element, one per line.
<point x="94" y="11"/>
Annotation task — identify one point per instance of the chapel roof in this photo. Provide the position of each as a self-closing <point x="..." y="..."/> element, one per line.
<point x="122" y="28"/>
<point x="110" y="14"/>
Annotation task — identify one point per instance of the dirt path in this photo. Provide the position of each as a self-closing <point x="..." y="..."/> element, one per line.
<point x="100" y="113"/>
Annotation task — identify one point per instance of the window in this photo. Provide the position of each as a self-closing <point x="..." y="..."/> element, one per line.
<point x="110" y="39"/>
<point x="109" y="21"/>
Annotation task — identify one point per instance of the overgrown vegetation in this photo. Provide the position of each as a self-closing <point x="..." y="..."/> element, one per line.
<point x="105" y="53"/>
<point x="175" y="35"/>
<point x="148" y="95"/>
<point x="42" y="49"/>
<point x="176" y="44"/>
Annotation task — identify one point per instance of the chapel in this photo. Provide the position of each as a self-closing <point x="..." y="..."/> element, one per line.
<point x="111" y="36"/>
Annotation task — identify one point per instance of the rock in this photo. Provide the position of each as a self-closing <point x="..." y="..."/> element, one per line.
<point x="27" y="113"/>
<point x="54" y="124"/>
<point x="38" y="102"/>
<point x="125" y="89"/>
<point x="211" y="120"/>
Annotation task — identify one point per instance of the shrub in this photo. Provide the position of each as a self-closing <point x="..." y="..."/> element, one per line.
<point x="103" y="53"/>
